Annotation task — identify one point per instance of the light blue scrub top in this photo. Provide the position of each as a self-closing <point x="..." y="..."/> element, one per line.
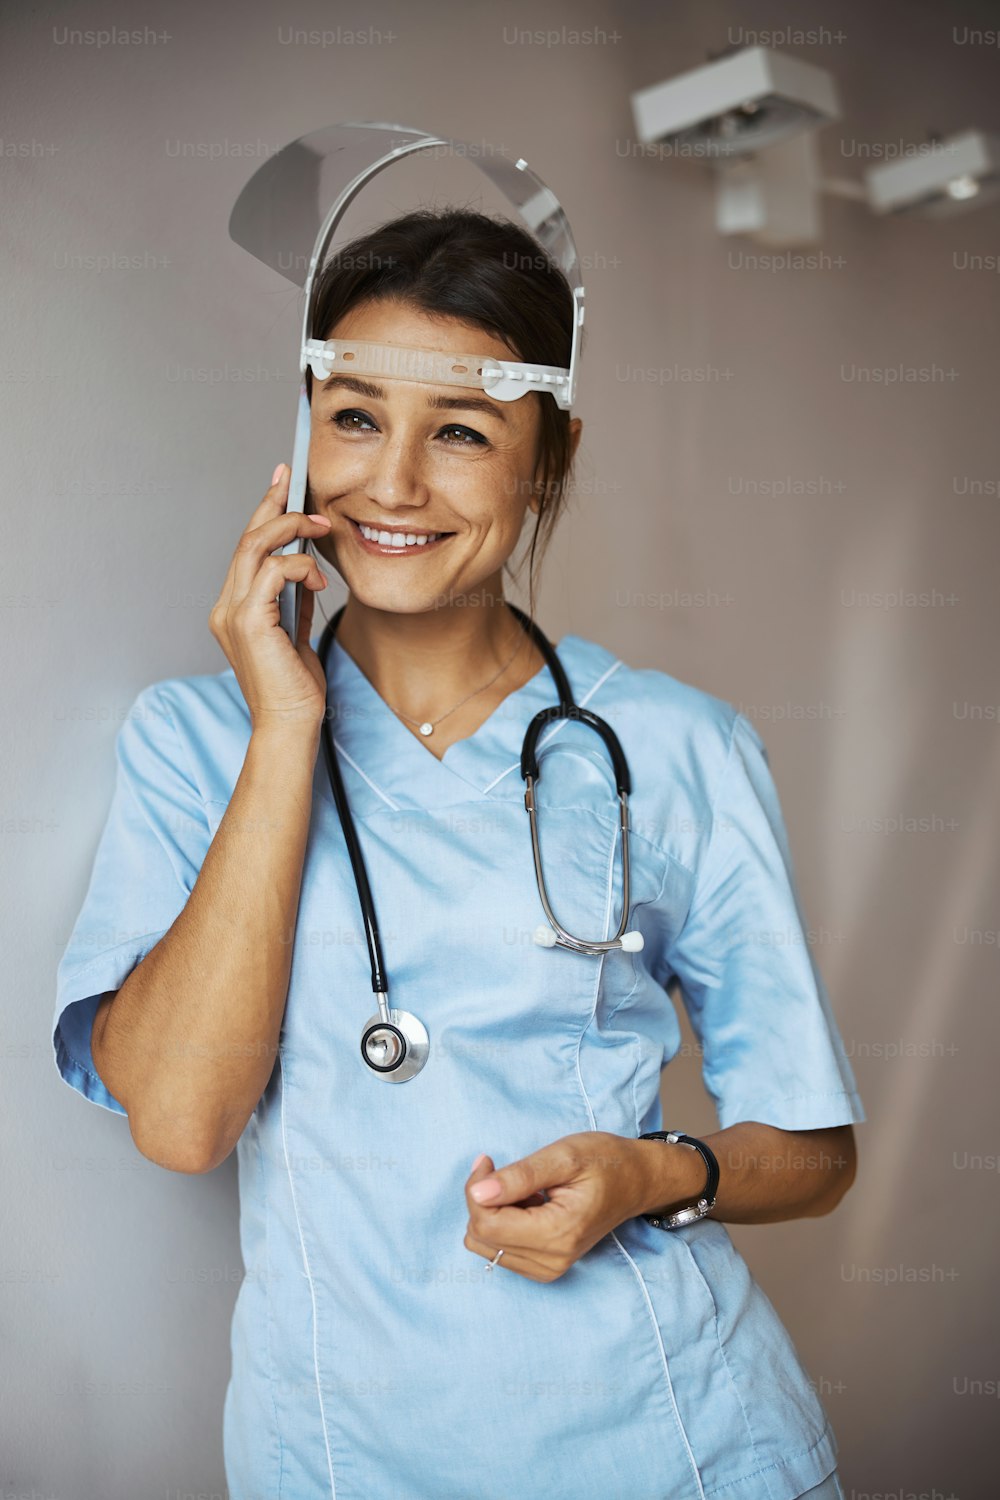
<point x="373" y="1357"/>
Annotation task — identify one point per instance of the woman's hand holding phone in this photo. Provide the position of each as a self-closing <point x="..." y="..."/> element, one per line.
<point x="283" y="684"/>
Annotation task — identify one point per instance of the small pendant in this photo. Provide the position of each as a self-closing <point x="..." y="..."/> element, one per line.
<point x="426" y="729"/>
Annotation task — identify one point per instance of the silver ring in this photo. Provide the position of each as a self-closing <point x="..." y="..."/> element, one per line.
<point x="491" y="1263"/>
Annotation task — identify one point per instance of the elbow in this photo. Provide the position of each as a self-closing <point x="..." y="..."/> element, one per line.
<point x="178" y="1150"/>
<point x="178" y="1142"/>
<point x="842" y="1168"/>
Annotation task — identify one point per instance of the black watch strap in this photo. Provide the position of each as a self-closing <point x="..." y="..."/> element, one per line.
<point x="706" y="1201"/>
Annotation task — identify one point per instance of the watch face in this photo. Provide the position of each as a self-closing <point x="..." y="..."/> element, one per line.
<point x="677" y="1220"/>
<point x="686" y="1215"/>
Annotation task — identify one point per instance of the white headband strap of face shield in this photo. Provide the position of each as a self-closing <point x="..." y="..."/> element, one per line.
<point x="504" y="380"/>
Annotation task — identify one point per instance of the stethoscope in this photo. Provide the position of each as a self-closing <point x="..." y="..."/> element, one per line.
<point x="394" y="1043"/>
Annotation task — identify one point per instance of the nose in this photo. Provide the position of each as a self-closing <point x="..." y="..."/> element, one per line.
<point x="395" y="476"/>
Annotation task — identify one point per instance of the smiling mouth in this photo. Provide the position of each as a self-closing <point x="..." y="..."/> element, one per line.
<point x="382" y="540"/>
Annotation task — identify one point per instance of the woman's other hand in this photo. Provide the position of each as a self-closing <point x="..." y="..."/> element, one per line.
<point x="555" y="1204"/>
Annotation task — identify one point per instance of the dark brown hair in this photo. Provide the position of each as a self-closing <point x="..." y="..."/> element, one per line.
<point x="489" y="272"/>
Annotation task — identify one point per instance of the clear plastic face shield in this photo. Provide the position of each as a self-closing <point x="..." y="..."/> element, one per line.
<point x="287" y="216"/>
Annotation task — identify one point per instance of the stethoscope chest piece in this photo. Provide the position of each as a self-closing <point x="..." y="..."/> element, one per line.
<point x="394" y="1049"/>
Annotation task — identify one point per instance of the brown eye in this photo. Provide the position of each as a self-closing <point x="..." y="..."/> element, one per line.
<point x="345" y="420"/>
<point x="469" y="438"/>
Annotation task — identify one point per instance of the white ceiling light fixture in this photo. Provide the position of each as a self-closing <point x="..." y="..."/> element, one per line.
<point x="752" y="115"/>
<point x="939" y="178"/>
<point x="736" y="105"/>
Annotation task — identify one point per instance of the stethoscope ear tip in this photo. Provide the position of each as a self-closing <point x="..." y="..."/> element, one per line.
<point x="632" y="942"/>
<point x="545" y="937"/>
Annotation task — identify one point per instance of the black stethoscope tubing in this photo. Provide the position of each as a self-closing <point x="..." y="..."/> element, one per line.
<point x="566" y="708"/>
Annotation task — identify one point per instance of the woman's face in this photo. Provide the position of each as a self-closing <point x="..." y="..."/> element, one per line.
<point x="413" y="459"/>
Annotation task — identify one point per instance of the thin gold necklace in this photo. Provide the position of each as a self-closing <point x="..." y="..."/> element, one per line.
<point x="427" y="726"/>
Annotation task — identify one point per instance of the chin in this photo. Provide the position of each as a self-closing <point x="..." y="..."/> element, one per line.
<point x="401" y="599"/>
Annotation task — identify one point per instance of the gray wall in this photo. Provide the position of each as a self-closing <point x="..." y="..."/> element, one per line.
<point x="128" y="481"/>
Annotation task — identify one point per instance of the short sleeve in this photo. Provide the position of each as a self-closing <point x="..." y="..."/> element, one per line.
<point x="771" y="1050"/>
<point x="148" y="857"/>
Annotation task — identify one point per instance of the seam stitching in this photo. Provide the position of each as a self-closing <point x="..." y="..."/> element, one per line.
<point x="779" y="1463"/>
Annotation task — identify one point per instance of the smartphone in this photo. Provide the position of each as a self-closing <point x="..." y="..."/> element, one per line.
<point x="290" y="598"/>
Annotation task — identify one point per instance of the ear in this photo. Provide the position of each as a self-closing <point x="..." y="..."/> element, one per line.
<point x="575" y="430"/>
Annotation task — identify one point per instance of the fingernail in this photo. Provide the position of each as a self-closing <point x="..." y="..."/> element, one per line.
<point x="479" y="1158"/>
<point x="482" y="1191"/>
<point x="277" y="474"/>
<point x="323" y="520"/>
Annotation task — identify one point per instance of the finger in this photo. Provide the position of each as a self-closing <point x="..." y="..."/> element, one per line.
<point x="257" y="543"/>
<point x="484" y="1168"/>
<point x="508" y="1259"/>
<point x="275" y="499"/>
<point x="274" y="573"/>
<point x="534" y="1268"/>
<point x="270" y="509"/>
<point x="531" y="1229"/>
<point x="276" y="495"/>
<point x="307" y="612"/>
<point x="485" y="1172"/>
<point x="537" y="1222"/>
<point x="305" y="617"/>
<point x="548" y="1167"/>
<point x="527" y="1229"/>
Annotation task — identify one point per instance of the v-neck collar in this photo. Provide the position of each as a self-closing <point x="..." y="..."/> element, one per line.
<point x="384" y="765"/>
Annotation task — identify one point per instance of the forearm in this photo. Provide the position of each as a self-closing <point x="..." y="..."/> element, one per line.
<point x="765" y="1174"/>
<point x="189" y="1041"/>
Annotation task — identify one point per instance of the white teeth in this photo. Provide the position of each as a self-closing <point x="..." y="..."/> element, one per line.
<point x="398" y="538"/>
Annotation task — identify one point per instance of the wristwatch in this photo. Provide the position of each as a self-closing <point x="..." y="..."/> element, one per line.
<point x="706" y="1202"/>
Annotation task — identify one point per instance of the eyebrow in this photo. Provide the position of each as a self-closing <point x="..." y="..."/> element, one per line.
<point x="437" y="403"/>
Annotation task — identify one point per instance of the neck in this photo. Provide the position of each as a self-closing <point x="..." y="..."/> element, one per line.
<point x="422" y="664"/>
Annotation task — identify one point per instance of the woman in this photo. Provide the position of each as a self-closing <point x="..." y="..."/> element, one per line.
<point x="383" y="1346"/>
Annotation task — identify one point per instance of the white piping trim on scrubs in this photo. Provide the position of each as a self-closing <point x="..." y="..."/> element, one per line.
<point x="666" y="1366"/>
<point x="377" y="789"/>
<point x="593" y="1122"/>
<point x="312" y="1289"/>
<point x="555" y="728"/>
